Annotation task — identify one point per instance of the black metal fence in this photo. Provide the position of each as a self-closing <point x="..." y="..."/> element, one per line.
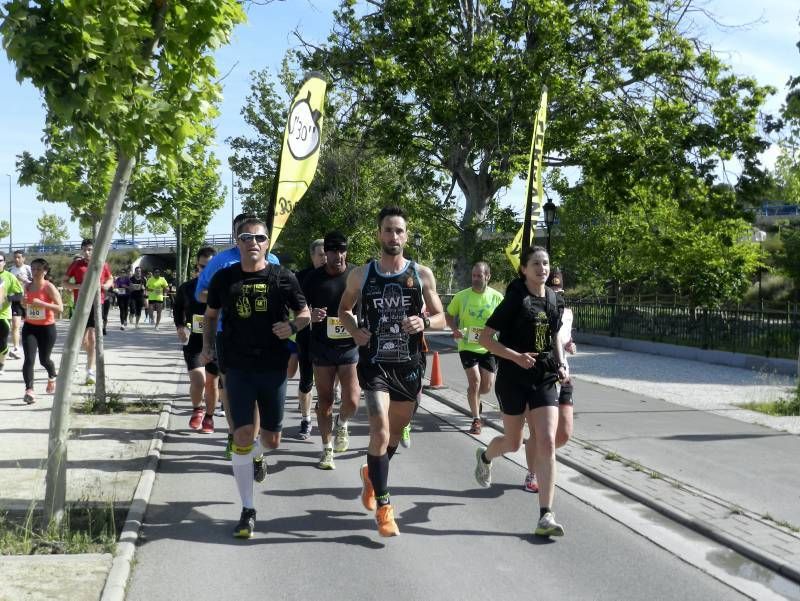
<point x="771" y="334"/>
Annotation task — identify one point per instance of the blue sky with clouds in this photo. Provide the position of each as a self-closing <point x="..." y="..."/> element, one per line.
<point x="762" y="44"/>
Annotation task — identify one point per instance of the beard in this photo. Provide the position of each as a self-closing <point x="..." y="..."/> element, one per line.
<point x="392" y="250"/>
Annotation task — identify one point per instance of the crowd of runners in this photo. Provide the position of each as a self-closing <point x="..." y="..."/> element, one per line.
<point x="247" y="324"/>
<point x="356" y="331"/>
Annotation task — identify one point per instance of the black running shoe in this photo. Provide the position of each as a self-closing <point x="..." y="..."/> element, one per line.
<point x="259" y="469"/>
<point x="246" y="525"/>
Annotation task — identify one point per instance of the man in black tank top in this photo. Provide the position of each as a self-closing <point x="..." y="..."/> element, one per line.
<point x="391" y="292"/>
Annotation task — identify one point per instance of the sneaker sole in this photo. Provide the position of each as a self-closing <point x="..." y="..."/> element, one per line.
<point x="327" y="466"/>
<point x="341" y="449"/>
<point x="243" y="534"/>
<point x="549" y="531"/>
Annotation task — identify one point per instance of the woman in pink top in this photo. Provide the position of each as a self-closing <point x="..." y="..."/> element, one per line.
<point x="42" y="301"/>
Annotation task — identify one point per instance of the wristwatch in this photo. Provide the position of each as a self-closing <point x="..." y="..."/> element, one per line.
<point x="293" y="327"/>
<point x="426" y="322"/>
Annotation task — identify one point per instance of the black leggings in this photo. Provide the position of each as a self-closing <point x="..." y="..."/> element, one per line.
<point x="136" y="302"/>
<point x="122" y="301"/>
<point x="5" y="328"/>
<point x="43" y="337"/>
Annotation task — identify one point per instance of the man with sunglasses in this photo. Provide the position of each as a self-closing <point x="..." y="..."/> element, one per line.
<point x="222" y="260"/>
<point x="255" y="298"/>
<point x="189" y="315"/>
<point x="10" y="287"/>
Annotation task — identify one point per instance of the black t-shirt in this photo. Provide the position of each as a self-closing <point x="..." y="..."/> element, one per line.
<point x="141" y="283"/>
<point x="526" y="323"/>
<point x="189" y="313"/>
<point x="251" y="303"/>
<point x="324" y="290"/>
<point x="386" y="300"/>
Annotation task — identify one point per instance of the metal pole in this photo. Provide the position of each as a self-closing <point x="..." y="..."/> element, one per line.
<point x="10" y="228"/>
<point x="233" y="202"/>
<point x="548" y="240"/>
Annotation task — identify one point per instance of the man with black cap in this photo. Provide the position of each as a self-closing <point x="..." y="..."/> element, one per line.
<point x="565" y="404"/>
<point x="333" y="351"/>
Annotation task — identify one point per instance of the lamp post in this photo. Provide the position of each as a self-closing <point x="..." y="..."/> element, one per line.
<point x="10" y="229"/>
<point x="417" y="244"/>
<point x="549" y="209"/>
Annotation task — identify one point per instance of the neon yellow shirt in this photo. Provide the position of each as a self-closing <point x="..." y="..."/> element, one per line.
<point x="472" y="310"/>
<point x="156" y="288"/>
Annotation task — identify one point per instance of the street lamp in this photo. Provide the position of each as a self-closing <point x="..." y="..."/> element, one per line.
<point x="549" y="209"/>
<point x="417" y="244"/>
<point x="10" y="229"/>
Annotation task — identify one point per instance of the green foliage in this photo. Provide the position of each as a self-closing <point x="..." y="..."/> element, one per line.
<point x="5" y="229"/>
<point x="52" y="228"/>
<point x="788" y="258"/>
<point x="130" y="225"/>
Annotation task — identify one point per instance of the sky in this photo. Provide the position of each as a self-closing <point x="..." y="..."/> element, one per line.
<point x="760" y="42"/>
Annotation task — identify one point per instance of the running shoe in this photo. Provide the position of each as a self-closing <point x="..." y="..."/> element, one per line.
<point x="229" y="448"/>
<point x="13" y="354"/>
<point x="342" y="440"/>
<point x="326" y="459"/>
<point x="51" y="386"/>
<point x="386" y="524"/>
<point x="89" y="378"/>
<point x="220" y="410"/>
<point x="208" y="425"/>
<point x="196" y="421"/>
<point x="259" y="468"/>
<point x="475" y="428"/>
<point x="367" y="492"/>
<point x="122" y="327"/>
<point x="246" y="525"/>
<point x="29" y="397"/>
<point x="305" y="429"/>
<point x="405" y="437"/>
<point x="531" y="485"/>
<point x="483" y="471"/>
<point x="548" y="526"/>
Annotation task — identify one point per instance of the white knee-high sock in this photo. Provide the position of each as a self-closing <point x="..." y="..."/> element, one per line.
<point x="242" y="463"/>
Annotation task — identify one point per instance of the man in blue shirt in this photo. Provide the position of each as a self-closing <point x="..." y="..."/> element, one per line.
<point x="222" y="260"/>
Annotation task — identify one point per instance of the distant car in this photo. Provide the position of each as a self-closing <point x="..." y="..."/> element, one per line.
<point x="124" y="244"/>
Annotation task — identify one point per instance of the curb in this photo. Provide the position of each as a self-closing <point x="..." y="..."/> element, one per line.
<point x="704" y="528"/>
<point x="117" y="580"/>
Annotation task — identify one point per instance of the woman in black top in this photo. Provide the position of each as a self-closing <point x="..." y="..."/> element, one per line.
<point x="530" y="363"/>
<point x="136" y="291"/>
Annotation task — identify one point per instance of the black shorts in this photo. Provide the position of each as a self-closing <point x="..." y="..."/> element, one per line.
<point x="245" y="389"/>
<point x="402" y="382"/>
<point x="565" y="394"/>
<point x="90" y="319"/>
<point x="193" y="361"/>
<point x="17" y="310"/>
<point x="157" y="305"/>
<point x="331" y="356"/>
<point x="218" y="351"/>
<point x="516" y="396"/>
<point x="485" y="361"/>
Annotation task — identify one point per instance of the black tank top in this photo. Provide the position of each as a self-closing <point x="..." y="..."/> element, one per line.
<point x="386" y="300"/>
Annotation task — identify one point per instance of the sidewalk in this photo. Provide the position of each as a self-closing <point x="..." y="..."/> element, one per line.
<point x="106" y="453"/>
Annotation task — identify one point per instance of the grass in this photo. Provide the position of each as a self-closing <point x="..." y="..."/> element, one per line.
<point x="781" y="407"/>
<point x="114" y="403"/>
<point x="782" y="523"/>
<point x="84" y="529"/>
<point x="612" y="456"/>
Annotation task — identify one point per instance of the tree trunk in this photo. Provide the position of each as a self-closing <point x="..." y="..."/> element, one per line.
<point x="56" y="478"/>
<point x="100" y="357"/>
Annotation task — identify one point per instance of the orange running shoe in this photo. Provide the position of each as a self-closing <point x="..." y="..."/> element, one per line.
<point x="386" y="524"/>
<point x="367" y="492"/>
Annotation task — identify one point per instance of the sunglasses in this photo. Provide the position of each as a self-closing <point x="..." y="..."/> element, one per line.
<point x="260" y="238"/>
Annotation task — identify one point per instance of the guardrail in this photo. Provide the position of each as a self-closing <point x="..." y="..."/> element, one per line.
<point x="785" y="210"/>
<point x="140" y="244"/>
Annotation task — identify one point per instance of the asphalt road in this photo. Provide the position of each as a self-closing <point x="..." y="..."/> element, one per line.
<point x="314" y="540"/>
<point x="748" y="465"/>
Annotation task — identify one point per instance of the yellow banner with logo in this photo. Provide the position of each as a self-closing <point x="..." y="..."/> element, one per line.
<point x="535" y="168"/>
<point x="300" y="153"/>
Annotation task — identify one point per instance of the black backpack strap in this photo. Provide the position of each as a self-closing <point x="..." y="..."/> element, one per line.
<point x="555" y="308"/>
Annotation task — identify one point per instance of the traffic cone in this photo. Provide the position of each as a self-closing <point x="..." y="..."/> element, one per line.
<point x="436" y="372"/>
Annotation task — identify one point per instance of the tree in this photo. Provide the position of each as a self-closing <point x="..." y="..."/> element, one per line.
<point x="118" y="76"/>
<point x="5" y="229"/>
<point x="451" y="87"/>
<point x="52" y="229"/>
<point x="129" y="224"/>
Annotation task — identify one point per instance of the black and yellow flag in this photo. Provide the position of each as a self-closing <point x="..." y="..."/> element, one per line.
<point x="535" y="168"/>
<point x="300" y="153"/>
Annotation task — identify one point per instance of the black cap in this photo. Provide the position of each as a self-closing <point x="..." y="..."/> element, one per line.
<point x="335" y="241"/>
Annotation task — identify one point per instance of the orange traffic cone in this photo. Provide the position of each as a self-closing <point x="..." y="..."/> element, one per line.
<point x="436" y="373"/>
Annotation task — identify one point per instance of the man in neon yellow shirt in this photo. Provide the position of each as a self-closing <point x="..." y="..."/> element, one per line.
<point x="156" y="288"/>
<point x="466" y="315"/>
<point x="10" y="287"/>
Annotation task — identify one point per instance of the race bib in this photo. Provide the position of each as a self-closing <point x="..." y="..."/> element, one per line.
<point x="197" y="324"/>
<point x="336" y="330"/>
<point x="473" y="334"/>
<point x="36" y="313"/>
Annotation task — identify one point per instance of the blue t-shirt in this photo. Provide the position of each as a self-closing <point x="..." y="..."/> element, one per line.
<point x="222" y="260"/>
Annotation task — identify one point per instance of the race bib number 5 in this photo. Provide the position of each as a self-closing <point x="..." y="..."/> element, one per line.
<point x="197" y="324"/>
<point x="335" y="329"/>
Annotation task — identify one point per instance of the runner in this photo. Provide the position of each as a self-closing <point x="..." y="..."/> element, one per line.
<point x="527" y="321"/>
<point x="226" y="258"/>
<point x="136" y="299"/>
<point x="121" y="289"/>
<point x="188" y="316"/>
<point x="10" y="287"/>
<point x="303" y="340"/>
<point x="390" y="292"/>
<point x="42" y="302"/>
<point x="255" y="298"/>
<point x="73" y="280"/>
<point x="565" y="401"/>
<point x="156" y="288"/>
<point x="22" y="272"/>
<point x="466" y="315"/>
<point x="333" y="350"/>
